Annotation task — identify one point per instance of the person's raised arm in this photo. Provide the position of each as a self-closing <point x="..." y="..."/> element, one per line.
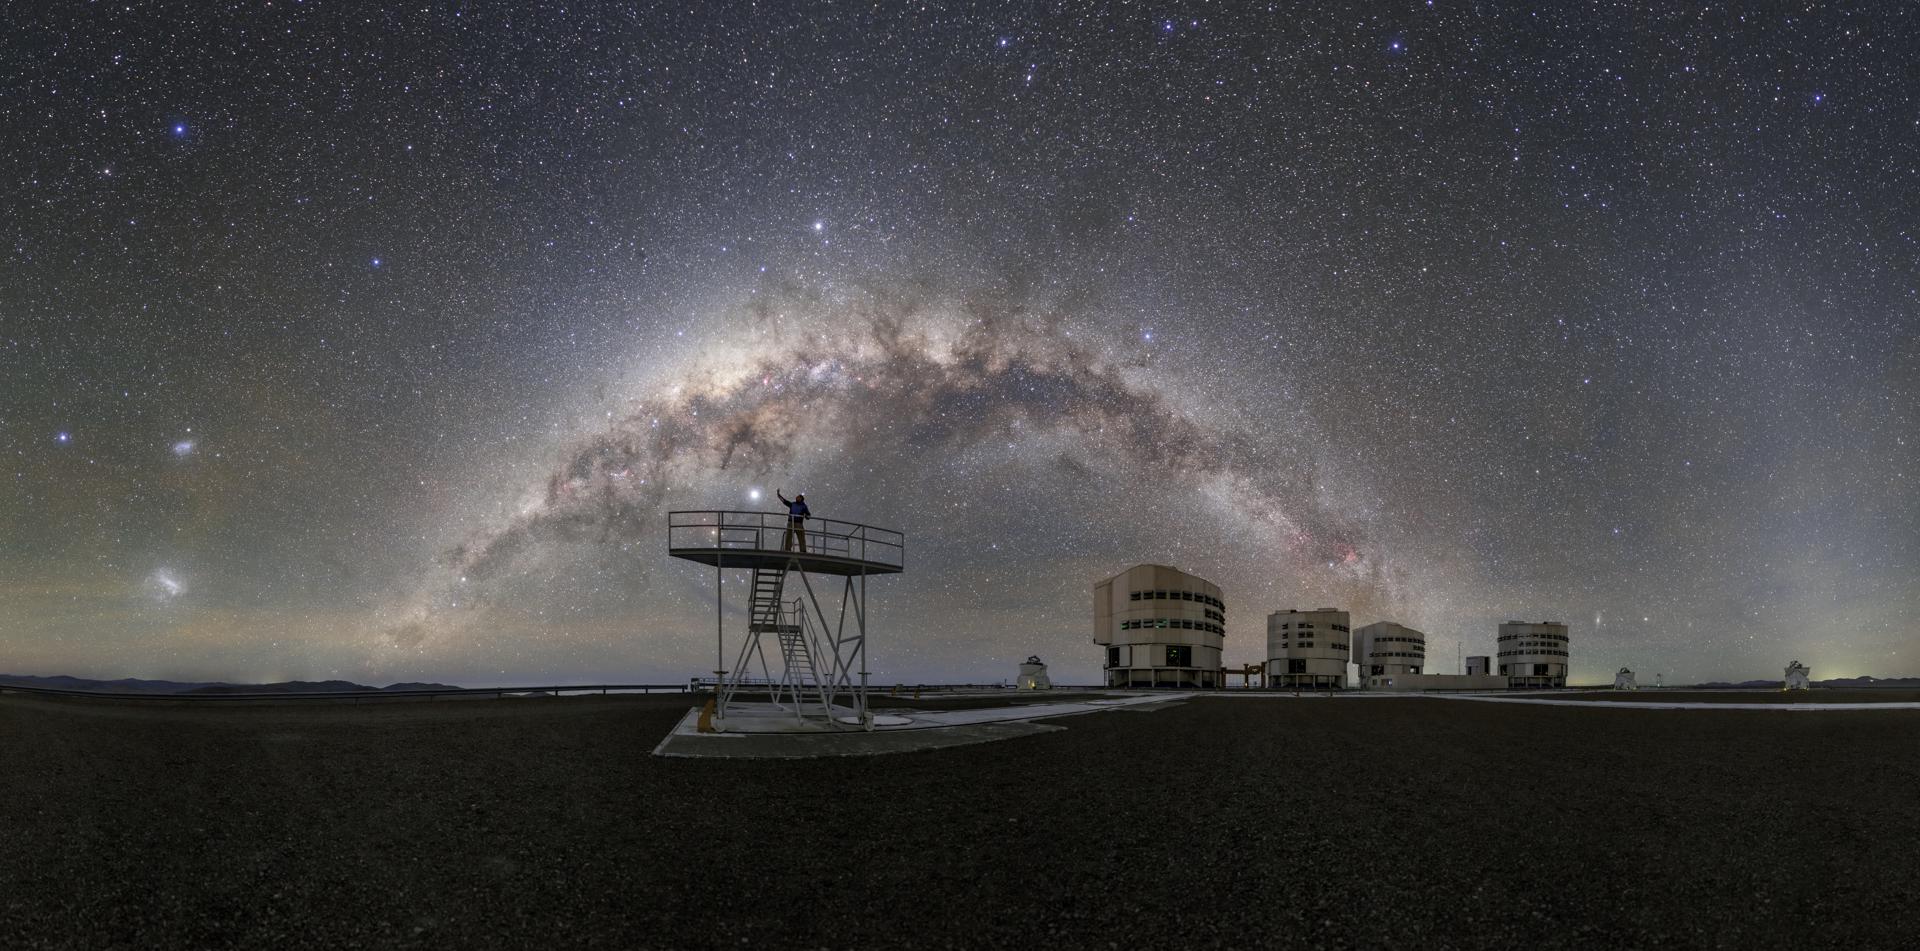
<point x="782" y="496"/>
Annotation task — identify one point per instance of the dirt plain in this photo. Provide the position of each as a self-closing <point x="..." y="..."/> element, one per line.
<point x="1220" y="822"/>
<point x="1870" y="695"/>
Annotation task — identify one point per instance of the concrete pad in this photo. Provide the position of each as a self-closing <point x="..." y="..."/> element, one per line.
<point x="766" y="730"/>
<point x="698" y="745"/>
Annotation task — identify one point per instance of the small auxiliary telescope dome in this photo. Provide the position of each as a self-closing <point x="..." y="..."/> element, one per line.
<point x="1798" y="677"/>
<point x="1033" y="675"/>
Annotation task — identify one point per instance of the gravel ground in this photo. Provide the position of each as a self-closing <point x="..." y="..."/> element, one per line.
<point x="1215" y="823"/>
<point x="1891" y="695"/>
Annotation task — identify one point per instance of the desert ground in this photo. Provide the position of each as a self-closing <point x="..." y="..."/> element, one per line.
<point x="1312" y="823"/>
<point x="1892" y="695"/>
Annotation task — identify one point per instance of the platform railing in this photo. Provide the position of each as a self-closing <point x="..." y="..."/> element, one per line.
<point x="724" y="530"/>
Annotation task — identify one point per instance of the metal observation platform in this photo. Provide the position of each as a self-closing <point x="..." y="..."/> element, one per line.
<point x="821" y="678"/>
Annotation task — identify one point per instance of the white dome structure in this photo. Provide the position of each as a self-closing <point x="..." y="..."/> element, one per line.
<point x="1033" y="675"/>
<point x="1798" y="677"/>
<point x="1624" y="680"/>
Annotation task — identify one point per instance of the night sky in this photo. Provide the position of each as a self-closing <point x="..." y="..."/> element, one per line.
<point x="348" y="341"/>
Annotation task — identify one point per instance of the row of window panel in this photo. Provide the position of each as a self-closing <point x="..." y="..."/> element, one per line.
<point x="1537" y="650"/>
<point x="1173" y="655"/>
<point x="1308" y="626"/>
<point x="1177" y="596"/>
<point x="1539" y="670"/>
<point x="1182" y="624"/>
<point x="1550" y="637"/>
<point x="1418" y="654"/>
<point x="1330" y="645"/>
<point x="1395" y="639"/>
<point x="1298" y="665"/>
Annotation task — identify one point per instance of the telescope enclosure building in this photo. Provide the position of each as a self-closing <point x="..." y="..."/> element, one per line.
<point x="1534" y="655"/>
<point x="1161" y="627"/>
<point x="1308" y="649"/>
<point x="1384" y="649"/>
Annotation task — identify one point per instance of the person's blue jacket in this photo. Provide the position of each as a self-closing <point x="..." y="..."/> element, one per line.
<point x="797" y="506"/>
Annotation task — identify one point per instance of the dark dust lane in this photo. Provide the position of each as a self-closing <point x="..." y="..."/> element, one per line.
<point x="1286" y="823"/>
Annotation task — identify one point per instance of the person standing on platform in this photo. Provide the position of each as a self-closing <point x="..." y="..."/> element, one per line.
<point x="796" y="520"/>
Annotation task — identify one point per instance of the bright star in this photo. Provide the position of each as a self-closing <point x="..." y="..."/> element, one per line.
<point x="63" y="437"/>
<point x="376" y="262"/>
<point x="753" y="494"/>
<point x="819" y="226"/>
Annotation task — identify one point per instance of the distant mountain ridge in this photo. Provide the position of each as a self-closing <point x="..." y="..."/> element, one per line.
<point x="134" y="685"/>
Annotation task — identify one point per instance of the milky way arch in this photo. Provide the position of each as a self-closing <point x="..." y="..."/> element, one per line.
<point x="881" y="378"/>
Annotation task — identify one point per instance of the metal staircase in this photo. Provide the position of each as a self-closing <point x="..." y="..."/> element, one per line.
<point x="763" y="609"/>
<point x="821" y="631"/>
<point x="800" y="675"/>
<point x="768" y="614"/>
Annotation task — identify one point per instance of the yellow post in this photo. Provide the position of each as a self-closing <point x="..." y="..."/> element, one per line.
<point x="706" y="717"/>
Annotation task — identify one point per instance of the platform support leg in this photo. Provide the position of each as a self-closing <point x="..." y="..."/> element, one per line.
<point x="719" y="638"/>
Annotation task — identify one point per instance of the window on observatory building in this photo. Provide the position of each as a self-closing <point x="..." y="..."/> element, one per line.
<point x="1160" y="595"/>
<point x="1113" y="657"/>
<point x="1163" y="622"/>
<point x="1135" y="596"/>
<point x="1179" y="657"/>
